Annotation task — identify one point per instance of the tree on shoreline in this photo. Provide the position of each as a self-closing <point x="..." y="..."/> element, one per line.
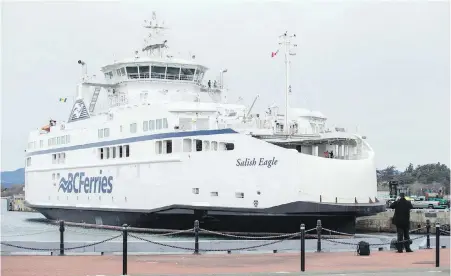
<point x="438" y="174"/>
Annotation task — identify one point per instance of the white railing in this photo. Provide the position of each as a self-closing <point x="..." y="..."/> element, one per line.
<point x="187" y="77"/>
<point x="172" y="76"/>
<point x="157" y="75"/>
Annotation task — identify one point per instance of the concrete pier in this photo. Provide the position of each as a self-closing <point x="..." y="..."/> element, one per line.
<point x="382" y="221"/>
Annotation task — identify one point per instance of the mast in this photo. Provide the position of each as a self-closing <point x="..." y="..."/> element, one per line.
<point x="155" y="44"/>
<point x="286" y="42"/>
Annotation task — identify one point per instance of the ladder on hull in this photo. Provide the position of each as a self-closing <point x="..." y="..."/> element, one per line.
<point x="95" y="96"/>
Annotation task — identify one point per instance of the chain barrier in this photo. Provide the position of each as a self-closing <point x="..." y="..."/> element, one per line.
<point x="191" y="230"/>
<point x="252" y="237"/>
<point x="287" y="237"/>
<point x="351" y="235"/>
<point x="147" y="234"/>
<point x="253" y="246"/>
<point x="57" y="249"/>
<point x="374" y="244"/>
<point x="161" y="244"/>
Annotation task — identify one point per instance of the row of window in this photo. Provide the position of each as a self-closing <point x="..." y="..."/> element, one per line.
<point x="103" y="133"/>
<point x="59" y="158"/>
<point x="61" y="140"/>
<point x="158" y="72"/>
<point x="166" y="147"/>
<point x="114" y="152"/>
<point x="237" y="194"/>
<point x="205" y="145"/>
<point x="155" y="124"/>
<point x="57" y="176"/>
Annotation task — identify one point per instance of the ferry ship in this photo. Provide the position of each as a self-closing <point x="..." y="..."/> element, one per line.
<point x="154" y="145"/>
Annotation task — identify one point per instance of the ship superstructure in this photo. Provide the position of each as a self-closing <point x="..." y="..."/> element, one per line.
<point x="155" y="145"/>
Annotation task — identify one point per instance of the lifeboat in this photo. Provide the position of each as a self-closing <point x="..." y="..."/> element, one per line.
<point x="46" y="128"/>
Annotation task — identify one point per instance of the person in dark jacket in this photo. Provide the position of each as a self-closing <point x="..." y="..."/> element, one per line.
<point x="401" y="219"/>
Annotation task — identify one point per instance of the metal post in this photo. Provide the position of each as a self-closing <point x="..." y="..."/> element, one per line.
<point x="319" y="229"/>
<point x="124" y="249"/>
<point x="428" y="234"/>
<point x="196" y="237"/>
<point x="437" y="244"/>
<point x="61" y="238"/>
<point x="302" y="247"/>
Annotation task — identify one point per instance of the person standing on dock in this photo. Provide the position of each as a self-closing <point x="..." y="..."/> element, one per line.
<point x="401" y="219"/>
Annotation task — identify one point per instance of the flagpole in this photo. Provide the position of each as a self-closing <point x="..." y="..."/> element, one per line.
<point x="286" y="41"/>
<point x="287" y="81"/>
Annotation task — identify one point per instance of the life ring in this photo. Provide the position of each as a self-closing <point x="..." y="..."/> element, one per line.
<point x="46" y="128"/>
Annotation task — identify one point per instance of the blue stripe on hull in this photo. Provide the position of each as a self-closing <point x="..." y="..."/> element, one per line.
<point x="136" y="139"/>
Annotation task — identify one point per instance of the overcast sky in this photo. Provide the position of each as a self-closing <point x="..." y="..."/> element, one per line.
<point x="382" y="66"/>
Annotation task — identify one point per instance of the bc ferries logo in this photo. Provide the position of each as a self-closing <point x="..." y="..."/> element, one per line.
<point x="80" y="183"/>
<point x="252" y="162"/>
<point x="79" y="111"/>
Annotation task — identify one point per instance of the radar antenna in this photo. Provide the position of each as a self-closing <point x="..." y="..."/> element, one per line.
<point x="155" y="43"/>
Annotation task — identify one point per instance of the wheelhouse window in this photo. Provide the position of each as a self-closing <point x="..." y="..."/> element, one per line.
<point x="199" y="76"/>
<point x="158" y="72"/>
<point x="143" y="72"/>
<point x="132" y="72"/>
<point x="173" y="73"/>
<point x="187" y="74"/>
<point x="109" y="75"/>
<point x="145" y="125"/>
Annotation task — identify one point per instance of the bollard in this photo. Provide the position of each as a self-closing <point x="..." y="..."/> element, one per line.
<point x="319" y="229"/>
<point x="61" y="237"/>
<point x="196" y="237"/>
<point x="302" y="247"/>
<point x="437" y="244"/>
<point x="124" y="249"/>
<point x="428" y="234"/>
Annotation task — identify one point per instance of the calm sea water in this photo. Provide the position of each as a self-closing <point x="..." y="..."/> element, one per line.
<point x="30" y="230"/>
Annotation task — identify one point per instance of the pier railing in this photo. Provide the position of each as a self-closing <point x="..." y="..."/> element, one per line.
<point x="322" y="235"/>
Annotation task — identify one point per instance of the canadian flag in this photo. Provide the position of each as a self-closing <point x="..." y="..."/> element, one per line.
<point x="273" y="54"/>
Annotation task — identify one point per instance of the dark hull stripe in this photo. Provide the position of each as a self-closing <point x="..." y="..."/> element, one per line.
<point x="280" y="219"/>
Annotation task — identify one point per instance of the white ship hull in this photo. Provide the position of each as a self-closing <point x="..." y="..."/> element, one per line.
<point x="277" y="184"/>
